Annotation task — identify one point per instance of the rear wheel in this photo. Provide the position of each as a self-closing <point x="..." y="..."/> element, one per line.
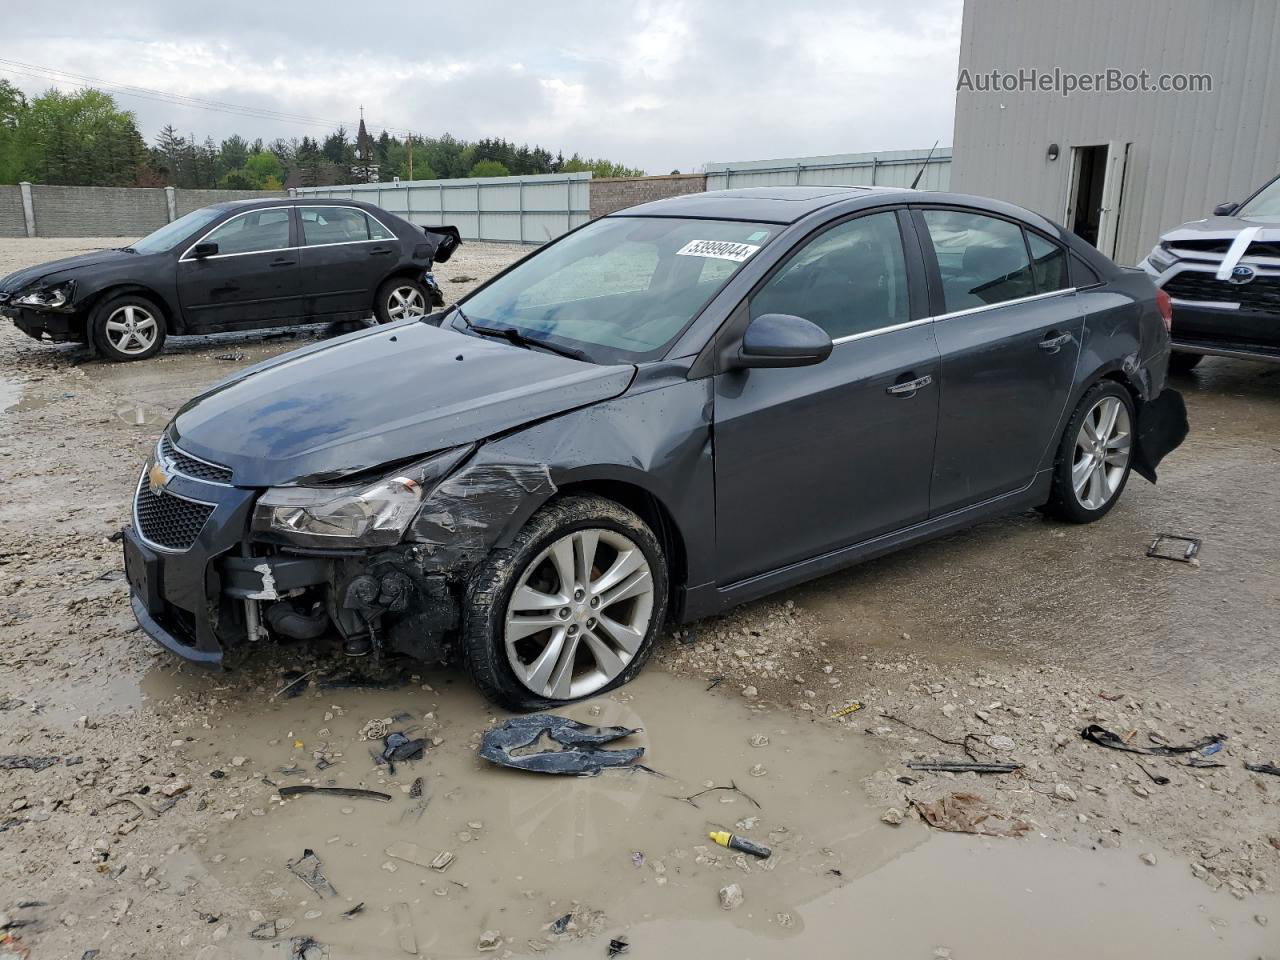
<point x="1095" y="454"/>
<point x="571" y="609"/>
<point x="1183" y="363"/>
<point x="402" y="298"/>
<point x="127" y="327"/>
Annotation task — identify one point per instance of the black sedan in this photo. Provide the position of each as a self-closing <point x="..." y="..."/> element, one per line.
<point x="669" y="411"/>
<point x="241" y="265"/>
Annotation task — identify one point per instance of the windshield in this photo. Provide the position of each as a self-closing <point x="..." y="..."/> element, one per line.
<point x="171" y="233"/>
<point x="1265" y="206"/>
<point x="620" y="289"/>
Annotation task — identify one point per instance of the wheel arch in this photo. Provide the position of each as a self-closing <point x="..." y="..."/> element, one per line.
<point x="405" y="271"/>
<point x="172" y="316"/>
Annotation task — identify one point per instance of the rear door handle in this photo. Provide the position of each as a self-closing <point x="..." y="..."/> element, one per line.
<point x="1055" y="343"/>
<point x="379" y="251"/>
<point x="283" y="262"/>
<point x="908" y="388"/>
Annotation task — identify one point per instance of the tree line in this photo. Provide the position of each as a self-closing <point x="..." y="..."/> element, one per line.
<point x="85" y="139"/>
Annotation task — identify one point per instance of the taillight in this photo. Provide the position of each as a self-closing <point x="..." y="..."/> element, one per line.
<point x="1166" y="309"/>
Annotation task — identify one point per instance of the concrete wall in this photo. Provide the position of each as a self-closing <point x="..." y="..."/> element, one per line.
<point x="104" y="211"/>
<point x="12" y="222"/>
<point x="1188" y="151"/>
<point x="617" y="193"/>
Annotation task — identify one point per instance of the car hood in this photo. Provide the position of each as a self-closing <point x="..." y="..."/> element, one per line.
<point x="66" y="268"/>
<point x="377" y="397"/>
<point x="1223" y="228"/>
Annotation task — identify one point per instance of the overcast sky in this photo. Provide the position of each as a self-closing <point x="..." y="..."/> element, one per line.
<point x="658" y="84"/>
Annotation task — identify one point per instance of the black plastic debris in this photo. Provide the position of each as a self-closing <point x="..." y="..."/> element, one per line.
<point x="1270" y="768"/>
<point x="1112" y="741"/>
<point x="618" y="947"/>
<point x="561" y="924"/>
<point x="355" y="793"/>
<point x="26" y="763"/>
<point x="582" y="753"/>
<point x="1170" y="546"/>
<point x="398" y="748"/>
<point x="310" y="870"/>
<point x="358" y="908"/>
<point x="950" y="766"/>
<point x="305" y="948"/>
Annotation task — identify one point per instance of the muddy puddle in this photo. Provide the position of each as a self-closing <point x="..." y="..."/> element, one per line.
<point x="631" y="861"/>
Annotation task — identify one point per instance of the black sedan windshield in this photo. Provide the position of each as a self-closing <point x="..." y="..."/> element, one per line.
<point x="621" y="288"/>
<point x="167" y="236"/>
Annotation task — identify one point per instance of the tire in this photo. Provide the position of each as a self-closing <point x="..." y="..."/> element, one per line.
<point x="400" y="298"/>
<point x="582" y="666"/>
<point x="1181" y="364"/>
<point x="1101" y="487"/>
<point x="128" y="327"/>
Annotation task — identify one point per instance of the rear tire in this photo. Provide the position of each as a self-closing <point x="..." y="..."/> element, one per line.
<point x="603" y="615"/>
<point x="1094" y="456"/>
<point x="127" y="327"/>
<point x="401" y="298"/>
<point x="1182" y="364"/>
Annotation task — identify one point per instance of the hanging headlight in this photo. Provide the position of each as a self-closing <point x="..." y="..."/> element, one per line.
<point x="50" y="298"/>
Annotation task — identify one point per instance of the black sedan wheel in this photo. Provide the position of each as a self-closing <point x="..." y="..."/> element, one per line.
<point x="127" y="327"/>
<point x="402" y="299"/>
<point x="1095" y="455"/>
<point x="570" y="609"/>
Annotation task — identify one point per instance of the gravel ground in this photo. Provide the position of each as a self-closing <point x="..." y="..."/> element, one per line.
<point x="997" y="644"/>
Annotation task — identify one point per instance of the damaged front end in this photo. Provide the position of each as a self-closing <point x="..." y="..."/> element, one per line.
<point x="377" y="562"/>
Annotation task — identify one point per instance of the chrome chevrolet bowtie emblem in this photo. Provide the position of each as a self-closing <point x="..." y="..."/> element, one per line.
<point x="157" y="479"/>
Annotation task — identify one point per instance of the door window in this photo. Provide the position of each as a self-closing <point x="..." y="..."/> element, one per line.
<point x="850" y="279"/>
<point x="325" y="225"/>
<point x="982" y="260"/>
<point x="253" y="232"/>
<point x="1048" y="264"/>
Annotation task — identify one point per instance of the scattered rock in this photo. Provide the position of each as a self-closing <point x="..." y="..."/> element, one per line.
<point x="731" y="897"/>
<point x="1149" y="859"/>
<point x="1064" y="792"/>
<point x="892" y="816"/>
<point x="750" y="692"/>
<point x="489" y="940"/>
<point x="1001" y="742"/>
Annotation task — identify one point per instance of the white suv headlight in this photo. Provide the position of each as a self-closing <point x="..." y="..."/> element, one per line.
<point x="365" y="515"/>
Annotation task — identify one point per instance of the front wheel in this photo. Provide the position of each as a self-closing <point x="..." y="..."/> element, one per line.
<point x="1095" y="454"/>
<point x="401" y="298"/>
<point x="570" y="610"/>
<point x="127" y="327"/>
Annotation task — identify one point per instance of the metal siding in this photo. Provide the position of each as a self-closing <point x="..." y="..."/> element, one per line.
<point x="886" y="168"/>
<point x="509" y="209"/>
<point x="1189" y="151"/>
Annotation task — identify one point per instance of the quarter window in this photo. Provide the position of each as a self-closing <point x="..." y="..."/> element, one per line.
<point x="1048" y="264"/>
<point x="253" y="232"/>
<point x="325" y="225"/>
<point x="851" y="279"/>
<point x="982" y="260"/>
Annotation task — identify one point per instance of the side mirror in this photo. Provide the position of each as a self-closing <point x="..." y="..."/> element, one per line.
<point x="201" y="250"/>
<point x="782" y="340"/>
<point x="1225" y="209"/>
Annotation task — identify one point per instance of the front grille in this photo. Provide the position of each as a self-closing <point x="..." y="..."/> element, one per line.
<point x="190" y="466"/>
<point x="1261" y="295"/>
<point x="1259" y="248"/>
<point x="166" y="520"/>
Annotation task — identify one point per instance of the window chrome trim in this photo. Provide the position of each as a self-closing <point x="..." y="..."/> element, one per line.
<point x="137" y="527"/>
<point x="955" y="313"/>
<point x="301" y="230"/>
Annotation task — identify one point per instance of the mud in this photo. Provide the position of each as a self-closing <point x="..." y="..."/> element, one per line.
<point x="998" y="643"/>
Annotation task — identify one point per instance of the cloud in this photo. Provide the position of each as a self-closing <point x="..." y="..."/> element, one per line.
<point x="658" y="84"/>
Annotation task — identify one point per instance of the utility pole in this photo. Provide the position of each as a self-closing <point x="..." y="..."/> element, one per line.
<point x="410" y="154"/>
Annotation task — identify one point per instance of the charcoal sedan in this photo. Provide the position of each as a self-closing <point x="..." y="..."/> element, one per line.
<point x="240" y="265"/>
<point x="674" y="409"/>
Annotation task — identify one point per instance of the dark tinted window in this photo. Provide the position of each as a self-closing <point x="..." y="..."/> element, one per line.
<point x="1083" y="275"/>
<point x="253" y="232"/>
<point x="321" y="225"/>
<point x="1048" y="263"/>
<point x="850" y="279"/>
<point x="982" y="260"/>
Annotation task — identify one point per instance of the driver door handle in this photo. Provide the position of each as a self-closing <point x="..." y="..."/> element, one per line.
<point x="908" y="388"/>
<point x="283" y="262"/>
<point x="1052" y="344"/>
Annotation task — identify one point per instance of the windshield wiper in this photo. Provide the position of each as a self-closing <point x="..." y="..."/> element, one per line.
<point x="514" y="336"/>
<point x="128" y="250"/>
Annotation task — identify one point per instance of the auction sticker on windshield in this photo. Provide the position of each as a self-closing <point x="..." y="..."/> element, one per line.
<point x="718" y="249"/>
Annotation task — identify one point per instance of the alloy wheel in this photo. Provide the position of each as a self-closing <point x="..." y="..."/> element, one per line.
<point x="132" y="329"/>
<point x="1101" y="453"/>
<point x="579" y="614"/>
<point x="406" y="302"/>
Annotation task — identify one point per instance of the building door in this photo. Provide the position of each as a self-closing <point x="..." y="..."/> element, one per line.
<point x="1096" y="192"/>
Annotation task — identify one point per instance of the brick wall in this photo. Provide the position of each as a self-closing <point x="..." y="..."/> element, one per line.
<point x="12" y="222"/>
<point x="98" y="211"/>
<point x="188" y="200"/>
<point x="610" y="194"/>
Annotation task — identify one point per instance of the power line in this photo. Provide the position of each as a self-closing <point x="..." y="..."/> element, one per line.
<point x="40" y="72"/>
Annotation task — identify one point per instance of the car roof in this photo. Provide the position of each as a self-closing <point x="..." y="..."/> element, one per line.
<point x="291" y="201"/>
<point x="777" y="204"/>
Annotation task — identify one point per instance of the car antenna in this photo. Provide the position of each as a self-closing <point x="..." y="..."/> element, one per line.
<point x="924" y="165"/>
